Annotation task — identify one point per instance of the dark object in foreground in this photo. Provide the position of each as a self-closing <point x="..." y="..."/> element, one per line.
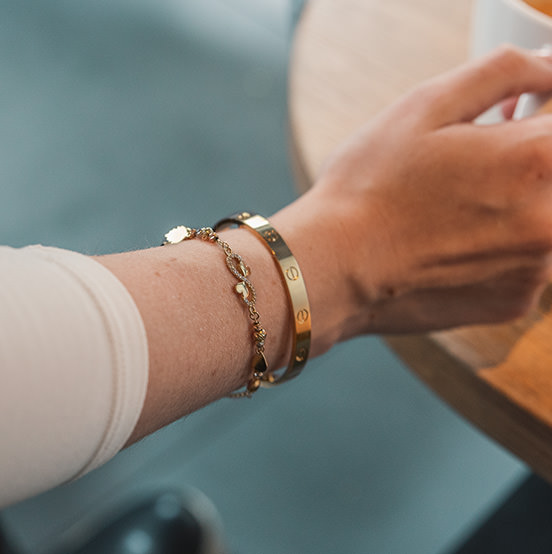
<point x="522" y="523"/>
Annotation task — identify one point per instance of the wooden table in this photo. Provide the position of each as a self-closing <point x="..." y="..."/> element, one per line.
<point x="350" y="59"/>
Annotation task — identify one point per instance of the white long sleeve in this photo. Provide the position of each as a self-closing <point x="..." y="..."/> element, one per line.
<point x="73" y="368"/>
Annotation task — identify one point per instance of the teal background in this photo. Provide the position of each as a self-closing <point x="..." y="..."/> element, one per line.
<point x="122" y="118"/>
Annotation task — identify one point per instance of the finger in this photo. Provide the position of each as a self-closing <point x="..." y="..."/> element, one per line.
<point x="466" y="92"/>
<point x="508" y="107"/>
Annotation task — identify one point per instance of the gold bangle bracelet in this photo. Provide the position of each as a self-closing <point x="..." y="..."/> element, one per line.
<point x="295" y="288"/>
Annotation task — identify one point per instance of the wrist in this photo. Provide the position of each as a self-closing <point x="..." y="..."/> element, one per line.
<point x="352" y="269"/>
<point x="318" y="249"/>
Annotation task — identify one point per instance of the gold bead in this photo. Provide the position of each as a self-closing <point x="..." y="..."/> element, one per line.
<point x="260" y="335"/>
<point x="253" y="385"/>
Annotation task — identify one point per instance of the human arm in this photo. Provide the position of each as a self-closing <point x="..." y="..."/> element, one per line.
<point x="422" y="221"/>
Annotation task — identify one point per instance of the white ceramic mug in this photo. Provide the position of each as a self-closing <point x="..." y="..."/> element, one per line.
<point x="497" y="22"/>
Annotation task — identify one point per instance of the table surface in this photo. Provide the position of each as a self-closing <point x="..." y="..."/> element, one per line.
<point x="350" y="59"/>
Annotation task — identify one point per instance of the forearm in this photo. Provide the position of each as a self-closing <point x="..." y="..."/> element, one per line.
<point x="198" y="330"/>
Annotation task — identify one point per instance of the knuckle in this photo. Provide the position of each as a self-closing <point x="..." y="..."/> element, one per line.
<point x="420" y="96"/>
<point x="508" y="58"/>
<point x="427" y="92"/>
<point x="428" y="95"/>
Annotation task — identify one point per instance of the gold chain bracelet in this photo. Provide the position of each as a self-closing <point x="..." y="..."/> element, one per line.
<point x="294" y="283"/>
<point x="245" y="289"/>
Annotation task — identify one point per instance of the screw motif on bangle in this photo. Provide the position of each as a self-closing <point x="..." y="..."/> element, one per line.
<point x="295" y="288"/>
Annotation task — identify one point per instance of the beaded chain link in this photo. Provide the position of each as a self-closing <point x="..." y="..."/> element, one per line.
<point x="245" y="289"/>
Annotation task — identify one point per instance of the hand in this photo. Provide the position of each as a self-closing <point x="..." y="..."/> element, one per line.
<point x="442" y="222"/>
